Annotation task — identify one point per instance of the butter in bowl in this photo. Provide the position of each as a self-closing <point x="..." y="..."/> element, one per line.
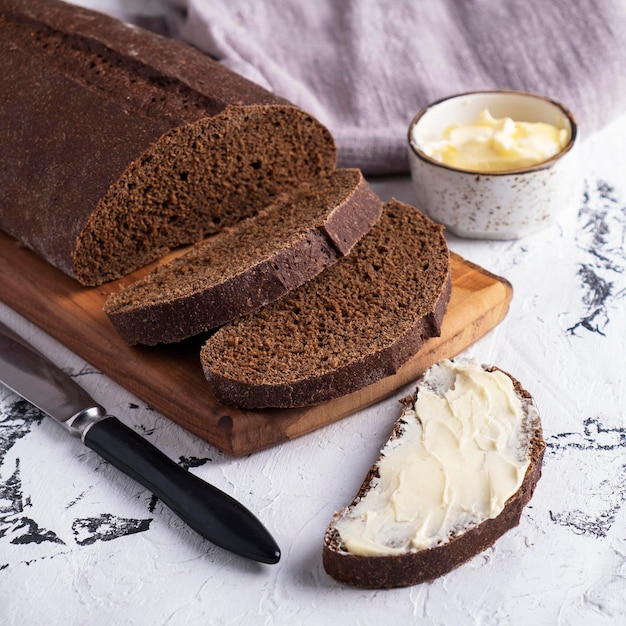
<point x="495" y="164"/>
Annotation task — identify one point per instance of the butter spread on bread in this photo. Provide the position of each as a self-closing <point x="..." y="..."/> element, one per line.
<point x="461" y="463"/>
<point x="462" y="454"/>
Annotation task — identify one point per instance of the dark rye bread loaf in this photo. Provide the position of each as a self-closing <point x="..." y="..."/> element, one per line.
<point x="411" y="566"/>
<point x="253" y="263"/>
<point x="119" y="144"/>
<point x="355" y="323"/>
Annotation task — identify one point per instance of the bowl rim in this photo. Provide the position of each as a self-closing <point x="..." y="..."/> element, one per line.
<point x="524" y="170"/>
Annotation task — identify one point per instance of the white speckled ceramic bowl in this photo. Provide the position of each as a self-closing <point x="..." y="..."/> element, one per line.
<point x="494" y="205"/>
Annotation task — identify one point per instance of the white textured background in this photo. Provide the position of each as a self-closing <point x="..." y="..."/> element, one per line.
<point x="82" y="544"/>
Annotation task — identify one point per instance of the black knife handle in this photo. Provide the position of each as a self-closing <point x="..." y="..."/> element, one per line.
<point x="209" y="511"/>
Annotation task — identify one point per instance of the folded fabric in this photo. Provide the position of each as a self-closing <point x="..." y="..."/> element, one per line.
<point x="365" y="67"/>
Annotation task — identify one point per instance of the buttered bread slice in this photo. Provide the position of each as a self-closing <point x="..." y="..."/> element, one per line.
<point x="463" y="460"/>
<point x="355" y="323"/>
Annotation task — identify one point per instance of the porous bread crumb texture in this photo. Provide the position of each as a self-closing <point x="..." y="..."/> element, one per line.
<point x="250" y="264"/>
<point x="240" y="248"/>
<point x="197" y="180"/>
<point x="360" y="306"/>
<point x="418" y="566"/>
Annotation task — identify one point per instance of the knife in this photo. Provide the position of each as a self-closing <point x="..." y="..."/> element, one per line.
<point x="210" y="512"/>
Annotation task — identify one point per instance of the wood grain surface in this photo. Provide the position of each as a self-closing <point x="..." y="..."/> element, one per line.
<point x="170" y="379"/>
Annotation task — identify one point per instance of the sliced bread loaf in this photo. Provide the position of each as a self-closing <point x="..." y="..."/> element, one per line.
<point x="462" y="462"/>
<point x="356" y="322"/>
<point x="253" y="263"/>
<point x="119" y="144"/>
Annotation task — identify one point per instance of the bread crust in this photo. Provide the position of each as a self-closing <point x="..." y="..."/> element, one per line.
<point x="267" y="279"/>
<point x="412" y="568"/>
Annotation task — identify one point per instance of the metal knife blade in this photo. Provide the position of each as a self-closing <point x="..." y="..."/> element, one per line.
<point x="42" y="383"/>
<point x="209" y="511"/>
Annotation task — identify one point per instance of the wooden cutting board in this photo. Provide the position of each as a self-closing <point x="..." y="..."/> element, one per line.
<point x="170" y="378"/>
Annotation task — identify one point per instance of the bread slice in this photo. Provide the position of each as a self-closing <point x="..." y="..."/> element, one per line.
<point x="253" y="263"/>
<point x="124" y="144"/>
<point x="356" y="322"/>
<point x="424" y="538"/>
